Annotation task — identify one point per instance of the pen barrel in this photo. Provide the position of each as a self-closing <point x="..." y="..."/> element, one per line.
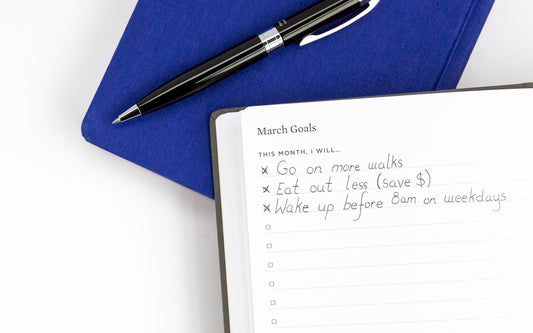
<point x="315" y="17"/>
<point x="205" y="74"/>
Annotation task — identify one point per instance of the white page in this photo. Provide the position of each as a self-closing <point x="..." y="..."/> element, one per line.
<point x="409" y="260"/>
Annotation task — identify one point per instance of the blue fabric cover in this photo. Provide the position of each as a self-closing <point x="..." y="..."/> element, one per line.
<point x="402" y="46"/>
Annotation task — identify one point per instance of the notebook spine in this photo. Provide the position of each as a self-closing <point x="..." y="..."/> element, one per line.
<point x="464" y="44"/>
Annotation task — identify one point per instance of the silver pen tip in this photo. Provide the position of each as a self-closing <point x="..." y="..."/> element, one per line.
<point x="128" y="114"/>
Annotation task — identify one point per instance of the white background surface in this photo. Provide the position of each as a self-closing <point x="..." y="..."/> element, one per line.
<point x="78" y="252"/>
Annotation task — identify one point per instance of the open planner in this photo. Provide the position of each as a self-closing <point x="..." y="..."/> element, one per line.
<point x="407" y="213"/>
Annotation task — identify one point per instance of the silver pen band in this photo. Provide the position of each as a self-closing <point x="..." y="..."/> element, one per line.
<point x="271" y="39"/>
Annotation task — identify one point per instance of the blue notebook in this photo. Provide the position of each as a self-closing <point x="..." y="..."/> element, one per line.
<point x="398" y="48"/>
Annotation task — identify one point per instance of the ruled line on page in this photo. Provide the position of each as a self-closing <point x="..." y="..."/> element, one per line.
<point x="398" y="207"/>
<point x="408" y="321"/>
<point x="364" y="285"/>
<point x="452" y="300"/>
<point x="406" y="167"/>
<point x="435" y="184"/>
<point x="400" y="264"/>
<point x="468" y="241"/>
<point x="422" y="224"/>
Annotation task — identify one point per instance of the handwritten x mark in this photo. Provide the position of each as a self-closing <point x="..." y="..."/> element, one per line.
<point x="266" y="189"/>
<point x="266" y="208"/>
<point x="264" y="171"/>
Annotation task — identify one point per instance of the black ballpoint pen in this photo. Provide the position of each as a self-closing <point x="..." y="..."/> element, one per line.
<point x="298" y="27"/>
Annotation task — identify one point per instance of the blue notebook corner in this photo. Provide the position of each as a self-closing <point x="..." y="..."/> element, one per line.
<point x="418" y="46"/>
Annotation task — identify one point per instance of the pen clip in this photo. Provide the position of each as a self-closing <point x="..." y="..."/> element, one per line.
<point x="312" y="38"/>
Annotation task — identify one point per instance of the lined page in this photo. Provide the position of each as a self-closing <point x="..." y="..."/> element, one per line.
<point x="396" y="214"/>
